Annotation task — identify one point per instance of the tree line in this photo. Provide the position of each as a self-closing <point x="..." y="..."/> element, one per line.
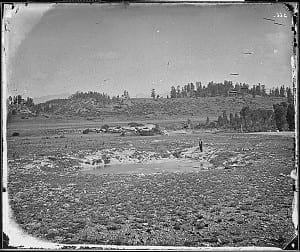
<point x="223" y="89"/>
<point x="19" y="100"/>
<point x="99" y="97"/>
<point x="281" y="118"/>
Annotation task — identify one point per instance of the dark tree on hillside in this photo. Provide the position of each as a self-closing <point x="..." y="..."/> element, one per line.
<point x="276" y="92"/>
<point x="192" y="90"/>
<point x="290" y="116"/>
<point x="257" y="89"/>
<point x="184" y="91"/>
<point x="220" y="121"/>
<point x="280" y="112"/>
<point x="263" y="90"/>
<point x="282" y="91"/>
<point x="253" y="90"/>
<point x="207" y="120"/>
<point x="29" y="102"/>
<point x="173" y="93"/>
<point x="153" y="93"/>
<point x="187" y="88"/>
<point x="237" y="122"/>
<point x="225" y="119"/>
<point x="289" y="95"/>
<point x="245" y="113"/>
<point x="19" y="99"/>
<point x="198" y="91"/>
<point x="126" y="94"/>
<point x="178" y="93"/>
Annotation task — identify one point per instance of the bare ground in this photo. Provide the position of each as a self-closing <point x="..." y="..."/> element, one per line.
<point x="244" y="199"/>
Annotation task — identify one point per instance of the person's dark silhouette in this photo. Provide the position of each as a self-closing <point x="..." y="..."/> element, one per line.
<point x="200" y="145"/>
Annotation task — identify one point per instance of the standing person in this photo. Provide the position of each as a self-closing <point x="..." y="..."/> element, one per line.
<point x="200" y="145"/>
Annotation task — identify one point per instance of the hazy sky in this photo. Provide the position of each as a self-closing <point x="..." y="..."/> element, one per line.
<point x="110" y="48"/>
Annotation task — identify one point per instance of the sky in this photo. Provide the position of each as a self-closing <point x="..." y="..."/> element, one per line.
<point x="54" y="49"/>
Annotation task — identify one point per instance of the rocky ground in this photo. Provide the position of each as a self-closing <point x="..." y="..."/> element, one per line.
<point x="243" y="198"/>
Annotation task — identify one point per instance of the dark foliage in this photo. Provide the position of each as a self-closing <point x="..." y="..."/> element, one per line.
<point x="85" y="131"/>
<point x="249" y="120"/>
<point x="282" y="118"/>
<point x="280" y="111"/>
<point x="226" y="88"/>
<point x="290" y="116"/>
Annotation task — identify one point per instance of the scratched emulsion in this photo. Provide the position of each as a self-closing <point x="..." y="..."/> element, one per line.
<point x="295" y="216"/>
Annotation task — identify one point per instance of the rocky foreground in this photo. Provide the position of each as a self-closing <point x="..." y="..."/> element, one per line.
<point x="242" y="199"/>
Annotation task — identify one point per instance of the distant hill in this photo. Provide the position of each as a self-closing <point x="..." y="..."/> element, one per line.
<point x="196" y="107"/>
<point x="149" y="109"/>
<point x="42" y="99"/>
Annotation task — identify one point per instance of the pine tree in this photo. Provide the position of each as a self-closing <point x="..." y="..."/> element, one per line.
<point x="263" y="90"/>
<point x="236" y="120"/>
<point x="225" y="119"/>
<point x="280" y="112"/>
<point x="245" y="112"/>
<point x="220" y="121"/>
<point x="173" y="93"/>
<point x="290" y="116"/>
<point x="276" y="92"/>
<point x="153" y="93"/>
<point x="282" y="91"/>
<point x="29" y="102"/>
<point x="19" y="99"/>
<point x="289" y="95"/>
<point x="192" y="90"/>
<point x="207" y="120"/>
<point x="178" y="93"/>
<point x="257" y="89"/>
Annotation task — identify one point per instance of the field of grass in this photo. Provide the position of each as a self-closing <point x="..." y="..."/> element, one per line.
<point x="245" y="199"/>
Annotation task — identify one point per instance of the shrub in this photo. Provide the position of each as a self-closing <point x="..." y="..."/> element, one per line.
<point x="105" y="127"/>
<point x="86" y="131"/>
